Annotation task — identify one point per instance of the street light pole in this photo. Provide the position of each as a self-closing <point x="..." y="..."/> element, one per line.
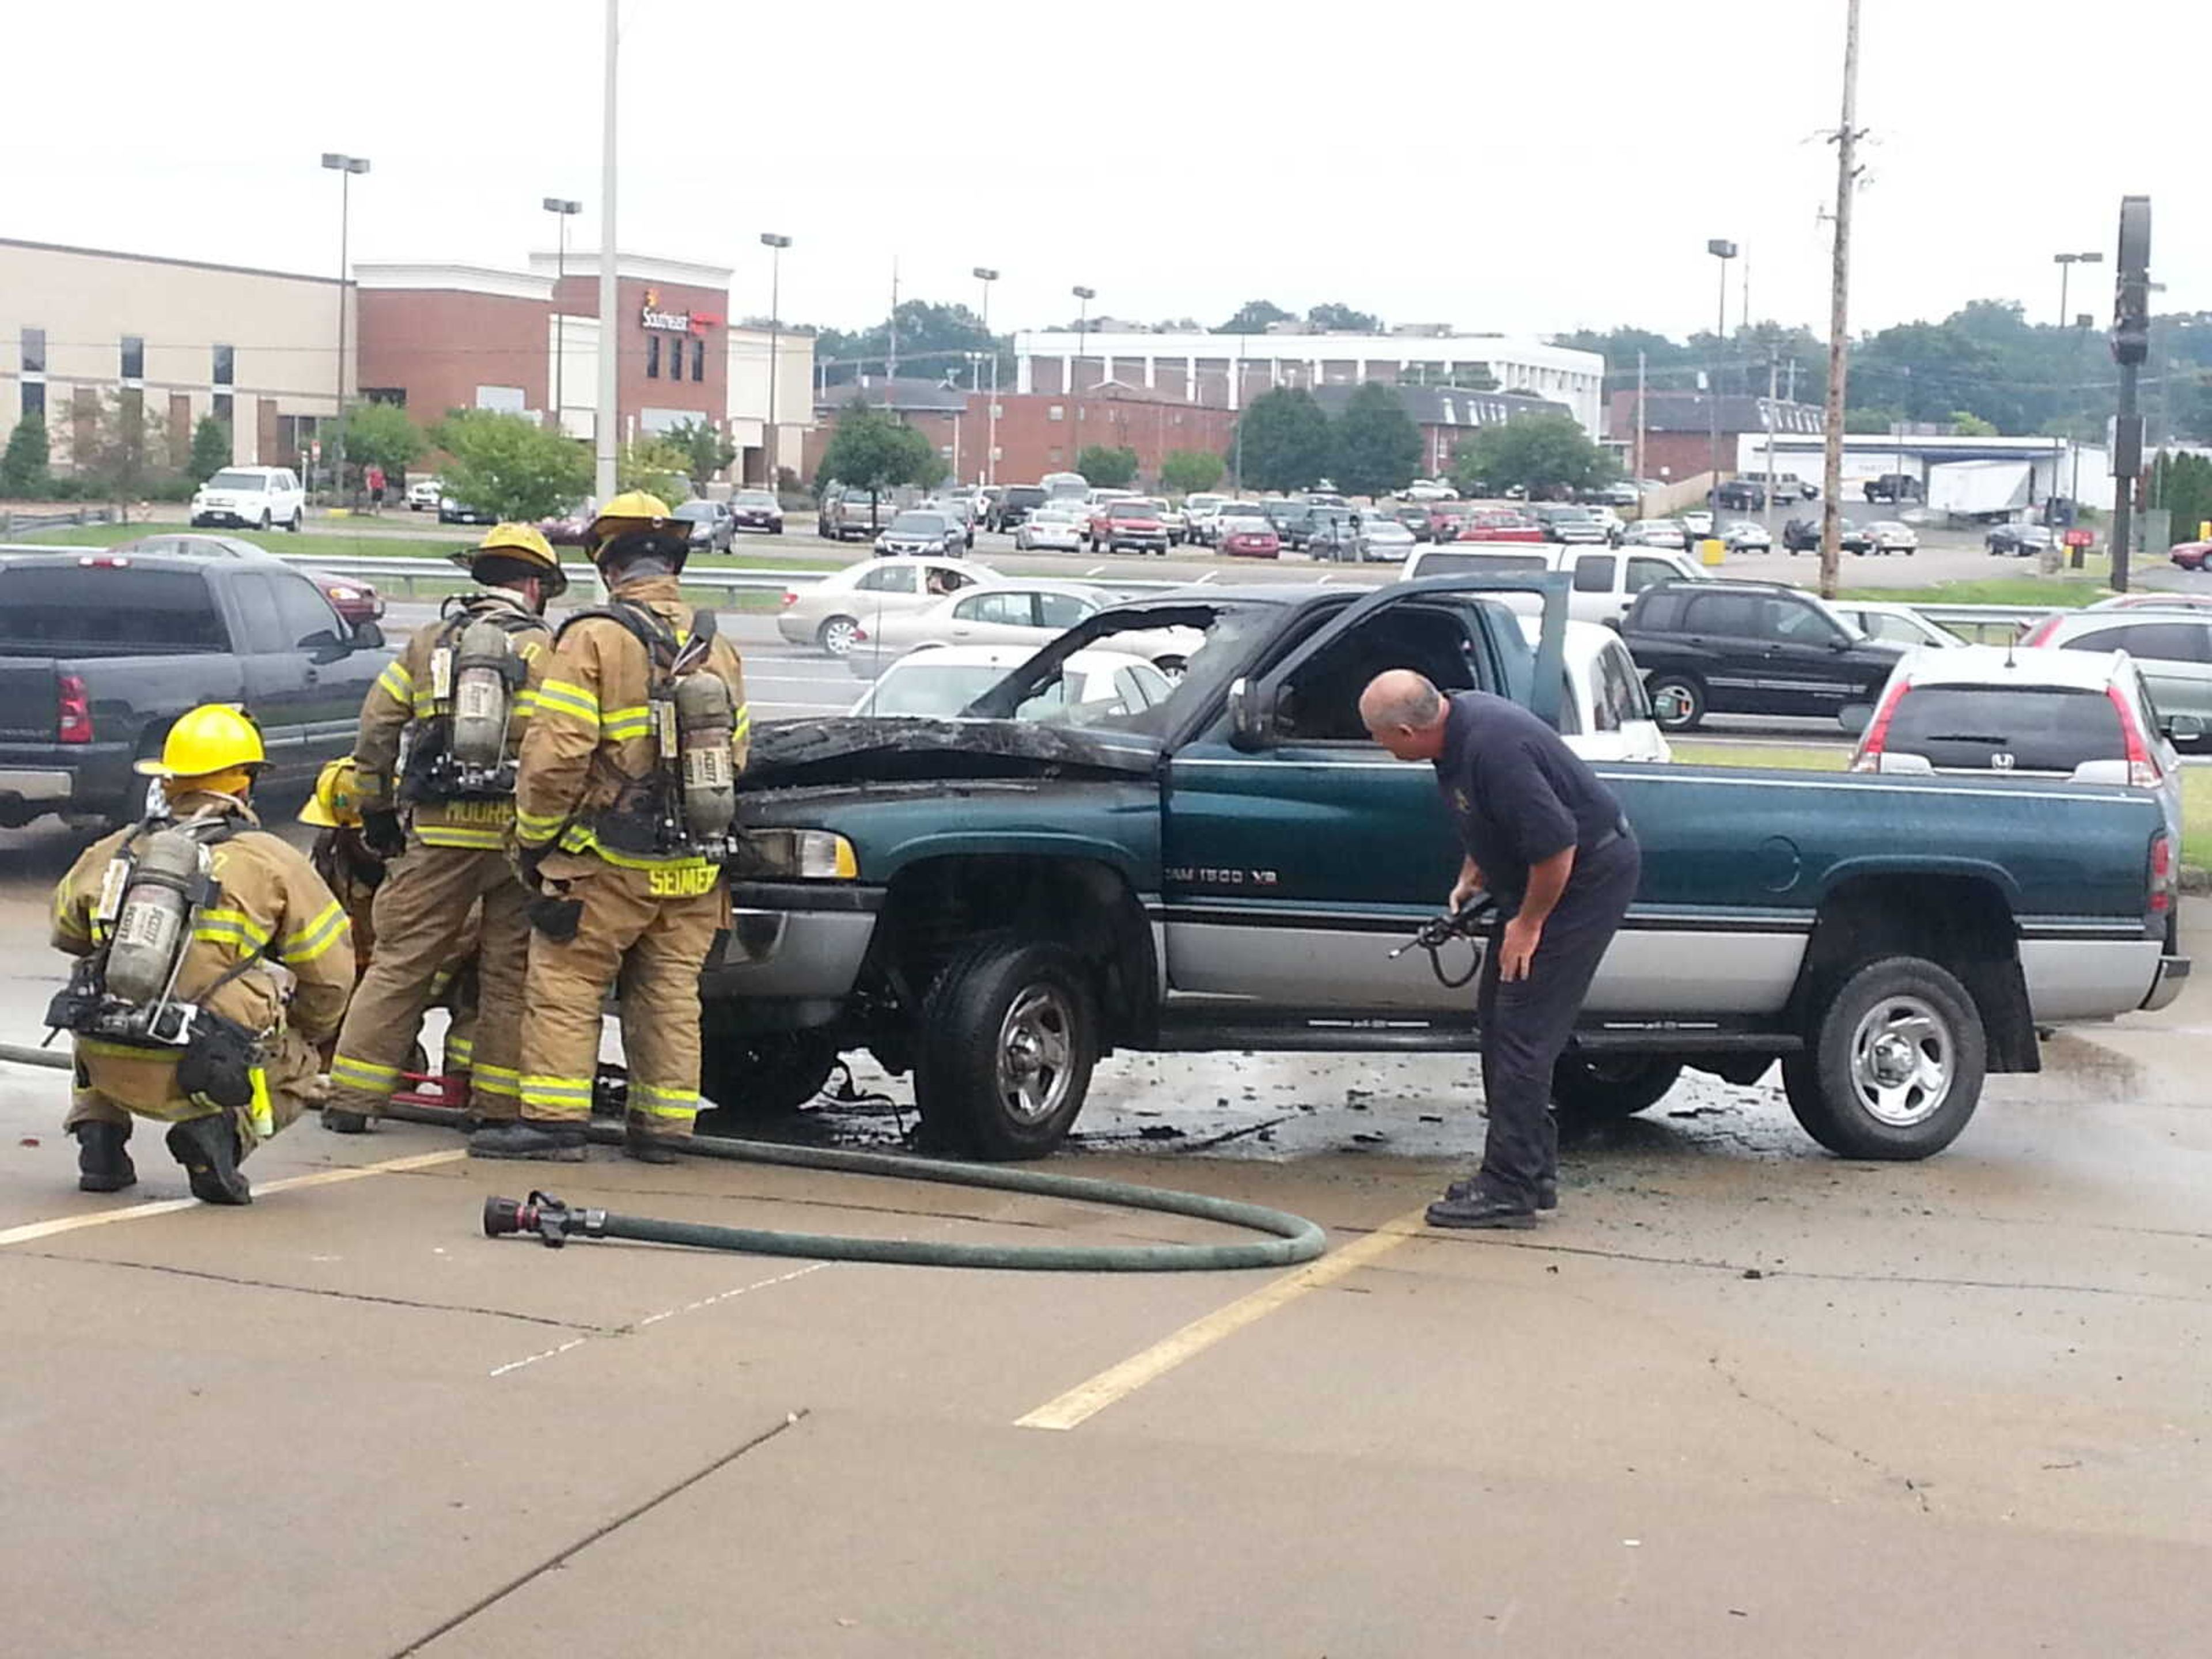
<point x="2066" y="262"/>
<point x="1723" y="251"/>
<point x="1085" y="297"/>
<point x="1839" y="295"/>
<point x="562" y="212"/>
<point x="345" y="166"/>
<point x="606" y="438"/>
<point x="986" y="275"/>
<point x="775" y="246"/>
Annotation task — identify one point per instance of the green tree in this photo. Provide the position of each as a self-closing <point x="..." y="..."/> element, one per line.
<point x="510" y="466"/>
<point x="1109" y="466"/>
<point x="2182" y="484"/>
<point x="381" y="434"/>
<point x="1283" y="441"/>
<point x="932" y="339"/>
<point x="120" y="448"/>
<point x="1861" y="422"/>
<point x="657" y="465"/>
<point x="707" y="447"/>
<point x="1544" y="454"/>
<point x="211" y="450"/>
<point x="1187" y="471"/>
<point x="23" y="474"/>
<point x="1253" y="316"/>
<point x="1378" y="447"/>
<point x="873" y="450"/>
<point x="1966" y="424"/>
<point x="1335" y="315"/>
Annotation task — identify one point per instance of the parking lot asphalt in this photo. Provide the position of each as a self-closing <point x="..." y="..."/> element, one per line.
<point x="1738" y="1397"/>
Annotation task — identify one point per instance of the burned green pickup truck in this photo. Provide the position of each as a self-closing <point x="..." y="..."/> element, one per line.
<point x="994" y="902"/>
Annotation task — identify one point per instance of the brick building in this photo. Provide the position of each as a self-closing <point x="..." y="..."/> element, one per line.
<point x="1678" y="429"/>
<point x="1036" y="432"/>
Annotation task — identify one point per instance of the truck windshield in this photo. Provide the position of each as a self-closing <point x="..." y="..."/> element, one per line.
<point x="105" y="611"/>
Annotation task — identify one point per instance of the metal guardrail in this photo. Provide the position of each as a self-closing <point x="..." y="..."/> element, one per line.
<point x="29" y="524"/>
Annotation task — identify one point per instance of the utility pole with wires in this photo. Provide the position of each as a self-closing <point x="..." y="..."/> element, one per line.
<point x="891" y="357"/>
<point x="1832" y="464"/>
<point x="1640" y="473"/>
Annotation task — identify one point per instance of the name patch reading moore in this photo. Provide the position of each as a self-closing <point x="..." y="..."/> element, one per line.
<point x="1201" y="876"/>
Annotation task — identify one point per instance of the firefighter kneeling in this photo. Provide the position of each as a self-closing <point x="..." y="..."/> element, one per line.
<point x="438" y="735"/>
<point x="191" y="927"/>
<point x="624" y="809"/>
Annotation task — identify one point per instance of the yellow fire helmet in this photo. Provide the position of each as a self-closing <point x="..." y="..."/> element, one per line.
<point x="216" y="736"/>
<point x="527" y="544"/>
<point x="335" y="804"/>
<point x="629" y="513"/>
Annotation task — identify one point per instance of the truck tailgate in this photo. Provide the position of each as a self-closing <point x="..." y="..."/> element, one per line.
<point x="29" y="708"/>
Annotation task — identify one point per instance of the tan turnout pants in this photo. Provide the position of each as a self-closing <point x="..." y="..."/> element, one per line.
<point x="422" y="923"/>
<point x="289" y="1062"/>
<point x="650" y="947"/>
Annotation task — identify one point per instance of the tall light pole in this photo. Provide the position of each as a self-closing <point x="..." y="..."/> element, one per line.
<point x="775" y="246"/>
<point x="1085" y="297"/>
<point x="345" y="166"/>
<point x="2066" y="262"/>
<point x="606" y="439"/>
<point x="986" y="275"/>
<point x="1723" y="251"/>
<point x="563" y="210"/>
<point x="1839" y="305"/>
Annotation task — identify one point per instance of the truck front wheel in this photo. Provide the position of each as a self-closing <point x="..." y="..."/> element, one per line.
<point x="1893" y="1063"/>
<point x="1599" y="1088"/>
<point x="1009" y="1034"/>
<point x="763" y="1075"/>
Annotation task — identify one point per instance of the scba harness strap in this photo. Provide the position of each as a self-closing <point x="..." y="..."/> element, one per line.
<point x="430" y="771"/>
<point x="645" y="817"/>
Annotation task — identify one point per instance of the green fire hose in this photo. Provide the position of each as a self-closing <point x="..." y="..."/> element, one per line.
<point x="1290" y="1239"/>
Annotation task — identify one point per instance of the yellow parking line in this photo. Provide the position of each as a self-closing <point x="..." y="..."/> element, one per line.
<point x="69" y="1223"/>
<point x="1086" y="1399"/>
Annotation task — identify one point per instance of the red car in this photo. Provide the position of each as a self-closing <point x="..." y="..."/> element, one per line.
<point x="1500" y="525"/>
<point x="1447" y="519"/>
<point x="2191" y="555"/>
<point x="1136" y="523"/>
<point x="1250" y="538"/>
<point x="354" y="599"/>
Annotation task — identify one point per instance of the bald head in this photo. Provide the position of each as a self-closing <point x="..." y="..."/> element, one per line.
<point x="1406" y="714"/>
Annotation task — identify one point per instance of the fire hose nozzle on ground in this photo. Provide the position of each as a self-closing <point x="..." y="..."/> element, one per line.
<point x="545" y="1215"/>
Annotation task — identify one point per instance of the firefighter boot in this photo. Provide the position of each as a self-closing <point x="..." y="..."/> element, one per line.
<point x="338" y="1121"/>
<point x="519" y="1138"/>
<point x="103" y="1164"/>
<point x="208" y="1148"/>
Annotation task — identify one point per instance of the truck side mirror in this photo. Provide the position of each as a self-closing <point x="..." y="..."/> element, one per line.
<point x="1249" y="722"/>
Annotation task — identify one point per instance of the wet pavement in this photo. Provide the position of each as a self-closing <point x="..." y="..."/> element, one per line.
<point x="1739" y="1397"/>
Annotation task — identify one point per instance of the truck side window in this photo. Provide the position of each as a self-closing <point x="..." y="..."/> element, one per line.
<point x="1593" y="573"/>
<point x="261" y="631"/>
<point x="1321" y="699"/>
<point x="302" y="610"/>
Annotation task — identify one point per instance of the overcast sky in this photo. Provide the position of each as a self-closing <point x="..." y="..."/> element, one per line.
<point x="1510" y="166"/>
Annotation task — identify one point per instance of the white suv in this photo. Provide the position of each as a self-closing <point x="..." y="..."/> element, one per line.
<point x="254" y="497"/>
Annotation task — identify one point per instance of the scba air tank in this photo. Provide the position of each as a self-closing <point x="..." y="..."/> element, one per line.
<point x="154" y="921"/>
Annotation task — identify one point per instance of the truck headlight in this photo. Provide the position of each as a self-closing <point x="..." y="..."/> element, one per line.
<point x="806" y="855"/>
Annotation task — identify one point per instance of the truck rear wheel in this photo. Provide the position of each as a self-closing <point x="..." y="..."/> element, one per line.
<point x="1599" y="1088"/>
<point x="1009" y="1034"/>
<point x="1894" y="1064"/>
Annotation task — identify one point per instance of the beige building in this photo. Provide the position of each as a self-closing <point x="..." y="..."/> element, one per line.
<point x="259" y="349"/>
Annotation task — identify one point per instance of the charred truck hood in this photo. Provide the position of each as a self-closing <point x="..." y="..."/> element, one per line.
<point x="839" y="754"/>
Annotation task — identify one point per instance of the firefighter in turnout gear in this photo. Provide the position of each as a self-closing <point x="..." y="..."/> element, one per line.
<point x="438" y="735"/>
<point x="623" y="812"/>
<point x="213" y="960"/>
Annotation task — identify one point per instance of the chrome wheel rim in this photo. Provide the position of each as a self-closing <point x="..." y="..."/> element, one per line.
<point x="837" y="637"/>
<point x="1037" y="1053"/>
<point x="1904" y="1061"/>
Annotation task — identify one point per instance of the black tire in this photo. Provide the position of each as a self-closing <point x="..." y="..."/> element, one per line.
<point x="1600" y="1088"/>
<point x="1684" y="694"/>
<point x="1848" y="1088"/>
<point x="264" y="525"/>
<point x="836" y="635"/>
<point x="299" y="515"/>
<point x="1009" y="1034"/>
<point x="764" y="1074"/>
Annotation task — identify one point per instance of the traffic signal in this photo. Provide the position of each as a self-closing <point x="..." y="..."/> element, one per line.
<point x="2131" y="297"/>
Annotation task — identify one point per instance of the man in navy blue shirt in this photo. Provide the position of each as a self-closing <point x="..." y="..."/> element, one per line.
<point x="1548" y="841"/>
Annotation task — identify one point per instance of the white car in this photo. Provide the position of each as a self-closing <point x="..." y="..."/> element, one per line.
<point x="422" y="495"/>
<point x="1429" y="489"/>
<point x="1029" y="614"/>
<point x="1055" y="527"/>
<point x="830" y="613"/>
<point x="1898" y="624"/>
<point x="1382" y="539"/>
<point x="1697" y="524"/>
<point x="1746" y="537"/>
<point x="937" y="682"/>
<point x="252" y="497"/>
<point x="1604" y="714"/>
<point x="1893" y="536"/>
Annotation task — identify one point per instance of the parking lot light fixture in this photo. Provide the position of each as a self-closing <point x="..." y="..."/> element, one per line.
<point x="564" y="210"/>
<point x="2066" y="262"/>
<point x="1723" y="251"/>
<point x="345" y="166"/>
<point x="775" y="246"/>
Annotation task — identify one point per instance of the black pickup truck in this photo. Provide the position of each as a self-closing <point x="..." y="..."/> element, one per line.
<point x="100" y="652"/>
